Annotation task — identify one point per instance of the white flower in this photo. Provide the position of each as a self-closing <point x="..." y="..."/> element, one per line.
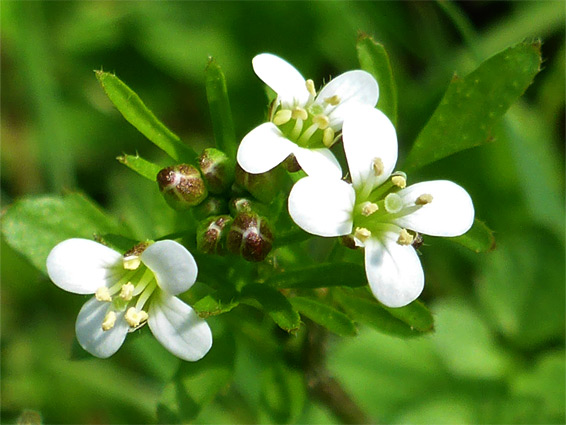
<point x="378" y="210"/>
<point x="130" y="290"/>
<point x="301" y="122"/>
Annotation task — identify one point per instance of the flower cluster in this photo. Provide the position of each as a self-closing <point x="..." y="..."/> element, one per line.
<point x="373" y="207"/>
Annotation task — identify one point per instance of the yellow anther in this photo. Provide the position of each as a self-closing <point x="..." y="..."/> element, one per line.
<point x="299" y="113"/>
<point x="405" y="238"/>
<point x="424" y="199"/>
<point x="321" y="120"/>
<point x="310" y="87"/>
<point x="328" y="137"/>
<point x="332" y="100"/>
<point x="368" y="208"/>
<point x="377" y="166"/>
<point x="282" y="116"/>
<point x="103" y="294"/>
<point x="135" y="317"/>
<point x="132" y="262"/>
<point x="362" y="234"/>
<point x="109" y="321"/>
<point x="399" y="181"/>
<point x="127" y="291"/>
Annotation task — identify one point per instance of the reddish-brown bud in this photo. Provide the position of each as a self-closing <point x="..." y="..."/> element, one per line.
<point x="217" y="169"/>
<point x="211" y="234"/>
<point x="182" y="186"/>
<point x="250" y="236"/>
<point x="264" y="186"/>
<point x="211" y="206"/>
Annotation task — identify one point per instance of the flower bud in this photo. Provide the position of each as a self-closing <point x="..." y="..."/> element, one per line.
<point x="211" y="234"/>
<point x="264" y="186"/>
<point x="217" y="169"/>
<point x="250" y="236"/>
<point x="239" y="205"/>
<point x="182" y="186"/>
<point x="211" y="206"/>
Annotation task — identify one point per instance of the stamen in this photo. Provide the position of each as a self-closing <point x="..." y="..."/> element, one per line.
<point x="299" y="113"/>
<point x="328" y="137"/>
<point x="308" y="134"/>
<point x="127" y="291"/>
<point x="297" y="129"/>
<point x="399" y="181"/>
<point x="283" y="116"/>
<point x="368" y="208"/>
<point x="322" y="121"/>
<point x="333" y="100"/>
<point x="362" y="234"/>
<point x="377" y="166"/>
<point x="109" y="321"/>
<point x="424" y="199"/>
<point x="393" y="203"/>
<point x="405" y="238"/>
<point x="132" y="262"/>
<point x="103" y="294"/>
<point x="310" y="87"/>
<point x="135" y="317"/>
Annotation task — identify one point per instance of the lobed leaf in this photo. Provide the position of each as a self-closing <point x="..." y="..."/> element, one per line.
<point x="472" y="105"/>
<point x="332" y="319"/>
<point x="320" y="276"/>
<point x="141" y="166"/>
<point x="138" y="114"/>
<point x="374" y="59"/>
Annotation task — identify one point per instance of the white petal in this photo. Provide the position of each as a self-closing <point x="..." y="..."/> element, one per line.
<point x="178" y="328"/>
<point x="263" y="148"/>
<point x="82" y="266"/>
<point x="174" y="267"/>
<point x="322" y="206"/>
<point x="283" y="78"/>
<point x="353" y="88"/>
<point x="366" y="135"/>
<point x="394" y="271"/>
<point x="89" y="331"/>
<point x="318" y="162"/>
<point x="451" y="212"/>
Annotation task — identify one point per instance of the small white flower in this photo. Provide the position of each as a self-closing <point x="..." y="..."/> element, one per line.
<point x="377" y="208"/>
<point x="129" y="291"/>
<point x="303" y="123"/>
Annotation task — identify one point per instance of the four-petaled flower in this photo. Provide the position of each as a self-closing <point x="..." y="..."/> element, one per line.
<point x="378" y="210"/>
<point x="128" y="291"/>
<point x="303" y="123"/>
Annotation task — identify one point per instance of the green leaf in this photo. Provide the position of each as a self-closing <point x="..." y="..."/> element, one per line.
<point x="273" y="303"/>
<point x="479" y="238"/>
<point x="136" y="113"/>
<point x="332" y="319"/>
<point x="321" y="276"/>
<point x="141" y="166"/>
<point x="33" y="226"/>
<point x="472" y="105"/>
<point x="220" y="112"/>
<point x="379" y="317"/>
<point x="283" y="393"/>
<point x="416" y="315"/>
<point x="374" y="59"/>
<point x="215" y="303"/>
<point x="197" y="383"/>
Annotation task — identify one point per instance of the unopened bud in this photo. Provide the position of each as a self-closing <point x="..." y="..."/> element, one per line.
<point x="217" y="169"/>
<point x="264" y="186"/>
<point x="241" y="205"/>
<point x="209" y="207"/>
<point x="250" y="236"/>
<point x="182" y="186"/>
<point x="211" y="234"/>
<point x="131" y="259"/>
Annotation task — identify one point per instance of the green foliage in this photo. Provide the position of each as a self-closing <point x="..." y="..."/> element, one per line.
<point x="320" y="276"/>
<point x="136" y="113"/>
<point x="374" y="59"/>
<point x="141" y="166"/>
<point x="332" y="319"/>
<point x="283" y="393"/>
<point x="472" y="105"/>
<point x="34" y="226"/>
<point x="479" y="238"/>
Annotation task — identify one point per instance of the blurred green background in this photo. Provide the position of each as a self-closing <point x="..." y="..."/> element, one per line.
<point x="497" y="355"/>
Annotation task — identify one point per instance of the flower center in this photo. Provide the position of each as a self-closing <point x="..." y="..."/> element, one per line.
<point x="308" y="125"/>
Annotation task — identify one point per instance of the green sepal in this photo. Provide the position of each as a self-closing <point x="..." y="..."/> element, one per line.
<point x="141" y="166"/>
<point x="374" y="59"/>
<point x="220" y="112"/>
<point x="479" y="238"/>
<point x="273" y="303"/>
<point x="320" y="276"/>
<point x="33" y="226"/>
<point x="472" y="105"/>
<point x="332" y="319"/>
<point x="137" y="113"/>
